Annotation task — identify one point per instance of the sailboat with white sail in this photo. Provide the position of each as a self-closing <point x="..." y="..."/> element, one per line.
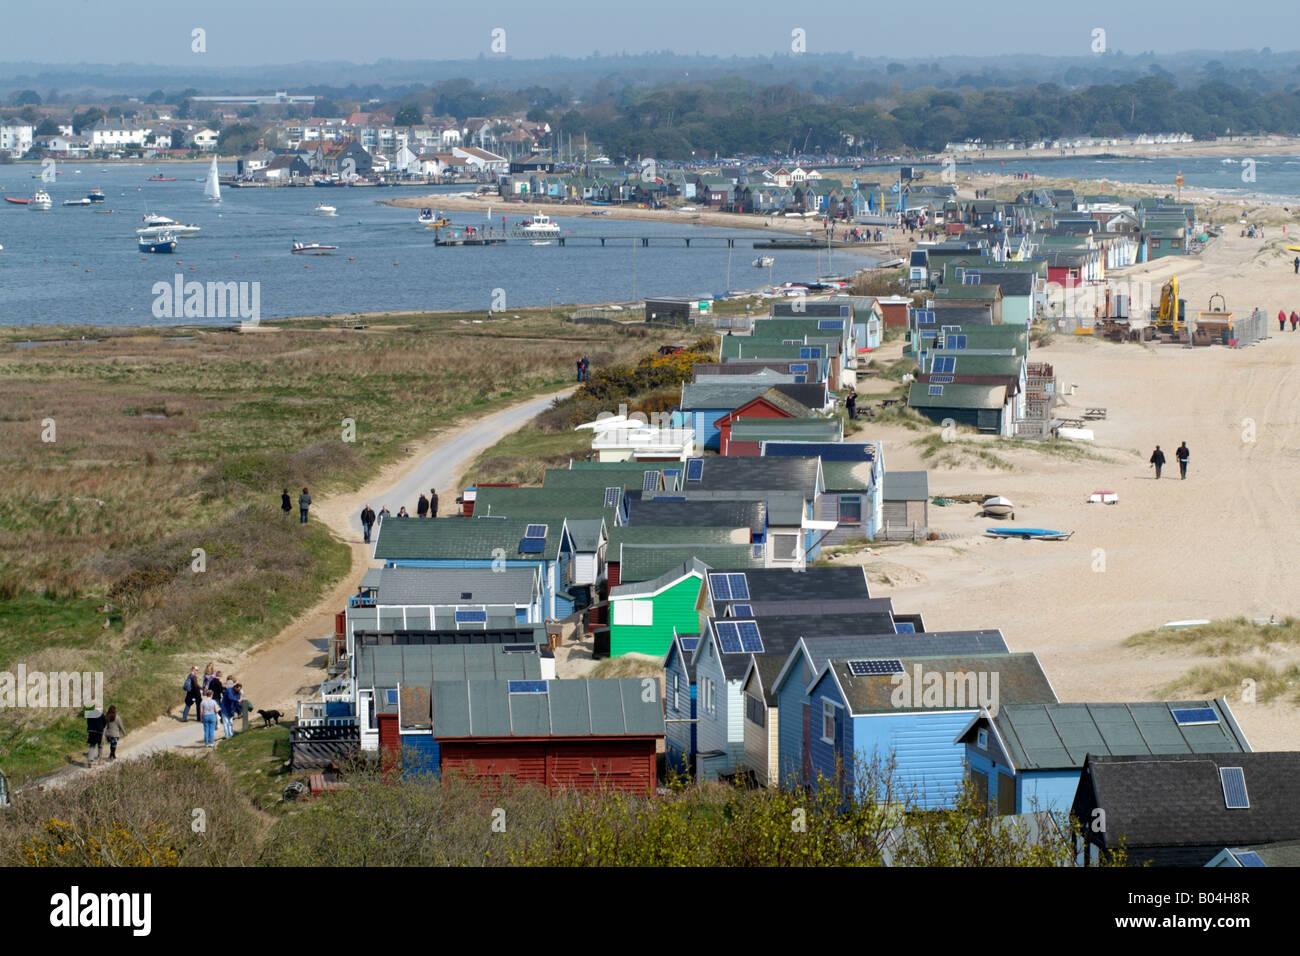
<point x="212" y="187"/>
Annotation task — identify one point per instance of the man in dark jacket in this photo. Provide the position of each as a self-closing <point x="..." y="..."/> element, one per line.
<point x="1182" y="455"/>
<point x="422" y="509"/>
<point x="94" y="735"/>
<point x="193" y="688"/>
<point x="218" y="689"/>
<point x="433" y="502"/>
<point x="367" y="521"/>
<point x="1158" y="460"/>
<point x="285" y="504"/>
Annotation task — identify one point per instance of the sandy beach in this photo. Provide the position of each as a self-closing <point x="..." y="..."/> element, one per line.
<point x="1221" y="544"/>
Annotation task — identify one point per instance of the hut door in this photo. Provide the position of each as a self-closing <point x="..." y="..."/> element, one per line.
<point x="1006" y="794"/>
<point x="807" y="742"/>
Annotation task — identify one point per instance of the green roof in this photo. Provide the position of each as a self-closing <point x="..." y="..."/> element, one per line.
<point x="629" y="478"/>
<point x="640" y="563"/>
<point x="451" y="538"/>
<point x="1009" y="365"/>
<point x="775" y="429"/>
<point x="965" y="292"/>
<point x="743" y="346"/>
<point x="586" y="532"/>
<point x="846" y="475"/>
<point x="1049" y="736"/>
<point x="522" y="502"/>
<point x="956" y="396"/>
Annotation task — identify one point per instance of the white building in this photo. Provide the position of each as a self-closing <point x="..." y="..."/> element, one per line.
<point x="15" y="139"/>
<point x="482" y="161"/>
<point x="206" y="139"/>
<point x="111" y="134"/>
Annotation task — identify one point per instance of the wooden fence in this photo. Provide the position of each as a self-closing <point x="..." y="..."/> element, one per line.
<point x="319" y="747"/>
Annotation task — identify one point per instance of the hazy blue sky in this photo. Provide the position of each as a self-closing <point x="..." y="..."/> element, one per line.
<point x="251" y="32"/>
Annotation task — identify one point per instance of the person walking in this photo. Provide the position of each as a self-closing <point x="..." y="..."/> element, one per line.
<point x="285" y="505"/>
<point x="578" y="365"/>
<point x="433" y="502"/>
<point x="304" y="502"/>
<point x="229" y="706"/>
<point x="193" y="688"/>
<point x="1182" y="455"/>
<point x="1296" y="265"/>
<point x="851" y="403"/>
<point x="113" y="731"/>
<point x="1158" y="461"/>
<point x="216" y="688"/>
<point x="586" y="369"/>
<point x="208" y="711"/>
<point x="367" y="522"/>
<point x="94" y="736"/>
<point x="422" y="507"/>
<point x="1281" y="320"/>
<point x="207" y="675"/>
<point x="1295" y="320"/>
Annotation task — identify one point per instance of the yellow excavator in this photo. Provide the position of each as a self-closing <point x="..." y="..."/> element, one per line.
<point x="1169" y="317"/>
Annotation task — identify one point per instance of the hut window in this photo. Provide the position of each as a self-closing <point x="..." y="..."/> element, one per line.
<point x="828" y="722"/>
<point x="982" y="740"/>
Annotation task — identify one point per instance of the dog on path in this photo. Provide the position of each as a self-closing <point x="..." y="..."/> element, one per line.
<point x="269" y="717"/>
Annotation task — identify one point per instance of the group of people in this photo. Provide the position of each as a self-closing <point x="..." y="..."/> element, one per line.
<point x="426" y="507"/>
<point x="214" y="699"/>
<point x="584" y="368"/>
<point x="1282" y="317"/>
<point x="102" y="726"/>
<point x="304" y="502"/>
<point x="1157" y="460"/>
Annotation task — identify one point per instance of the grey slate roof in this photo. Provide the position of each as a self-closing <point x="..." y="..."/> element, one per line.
<point x="780" y="634"/>
<point x="413" y="668"/>
<point x="727" y="513"/>
<point x="671" y="535"/>
<point x="482" y="709"/>
<point x="853" y="605"/>
<point x="402" y="586"/>
<point x="784" y="473"/>
<point x="1052" y="736"/>
<point x="962" y="315"/>
<point x="1174" y="801"/>
<point x="783" y="508"/>
<point x="662" y="581"/>
<point x="819" y="651"/>
<point x="586" y="533"/>
<point x="781" y="584"/>
<point x="906" y="486"/>
<point x="1020" y="681"/>
<point x="515" y="634"/>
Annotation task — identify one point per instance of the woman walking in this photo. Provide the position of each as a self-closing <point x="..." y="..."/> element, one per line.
<point x="304" y="502"/>
<point x="94" y="736"/>
<point x="285" y="505"/>
<point x="208" y="710"/>
<point x="193" y="688"/>
<point x="113" y="731"/>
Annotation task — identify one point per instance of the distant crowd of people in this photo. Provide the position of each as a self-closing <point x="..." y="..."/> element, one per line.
<point x="584" y="368"/>
<point x="426" y="507"/>
<point x="213" y="699"/>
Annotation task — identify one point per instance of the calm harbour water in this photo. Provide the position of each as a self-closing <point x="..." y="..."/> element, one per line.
<point x="81" y="265"/>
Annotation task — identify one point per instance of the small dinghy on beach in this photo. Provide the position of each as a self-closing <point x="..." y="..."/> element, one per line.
<point x="998" y="507"/>
<point x="1042" y="534"/>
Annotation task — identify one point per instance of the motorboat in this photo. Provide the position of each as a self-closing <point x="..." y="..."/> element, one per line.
<point x="41" y="200"/>
<point x="161" y="244"/>
<point x="540" y="225"/>
<point x="325" y="209"/>
<point x="1042" y="534"/>
<point x="160" y="178"/>
<point x="311" y="249"/>
<point x="76" y="202"/>
<point x="433" y="220"/>
<point x="17" y="202"/>
<point x="763" y="262"/>
<point x="998" y="507"/>
<point x="540" y="242"/>
<point x="153" y="224"/>
<point x="95" y="195"/>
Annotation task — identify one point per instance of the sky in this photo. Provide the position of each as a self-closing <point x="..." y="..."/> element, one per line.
<point x="259" y="32"/>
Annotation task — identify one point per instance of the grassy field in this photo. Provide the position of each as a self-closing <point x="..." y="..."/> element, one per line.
<point x="122" y="454"/>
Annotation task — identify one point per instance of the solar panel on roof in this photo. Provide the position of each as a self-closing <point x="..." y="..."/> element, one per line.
<point x="526" y="686"/>
<point x="650" y="481"/>
<point x="689" y="643"/>
<point x="941" y="379"/>
<point x="471" y="617"/>
<point x="728" y="636"/>
<point x="800" y="368"/>
<point x="390" y="696"/>
<point x="1187" y="716"/>
<point x="873" y="668"/>
<point x="532" y="546"/>
<point x="741" y="610"/>
<point x="758" y="551"/>
<point x="611" y="497"/>
<point x="739" y="587"/>
<point x="1249" y="858"/>
<point x="720" y="585"/>
<point x="831" y="324"/>
<point x="750" y="640"/>
<point x="695" y="469"/>
<point x="1234" y="788"/>
<point x="936" y="389"/>
<point x="535" y="531"/>
<point x="904" y="627"/>
<point x="813" y="352"/>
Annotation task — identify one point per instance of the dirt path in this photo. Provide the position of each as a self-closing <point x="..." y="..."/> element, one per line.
<point x="279" y="672"/>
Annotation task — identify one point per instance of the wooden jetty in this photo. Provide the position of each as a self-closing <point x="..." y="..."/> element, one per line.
<point x="806" y="243"/>
<point x="470" y="241"/>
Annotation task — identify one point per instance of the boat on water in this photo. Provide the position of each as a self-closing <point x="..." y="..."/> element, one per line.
<point x="433" y="220"/>
<point x="540" y="242"/>
<point x="540" y="225"/>
<point x="763" y="262"/>
<point x="160" y="178"/>
<point x="95" y="195"/>
<point x="17" y="202"/>
<point x="325" y="209"/>
<point x="998" y="507"/>
<point x="311" y="249"/>
<point x="1042" y="534"/>
<point x="155" y="225"/>
<point x="212" y="186"/>
<point x="892" y="263"/>
<point x="41" y="200"/>
<point x="161" y="244"/>
<point x="76" y="202"/>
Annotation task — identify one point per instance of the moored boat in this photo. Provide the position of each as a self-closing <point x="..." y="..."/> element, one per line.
<point x="160" y="178"/>
<point x="762" y="262"/>
<point x="155" y="224"/>
<point x="17" y="202"/>
<point x="325" y="209"/>
<point x="540" y="225"/>
<point x="161" y="244"/>
<point x="311" y="249"/>
<point x="41" y="200"/>
<point x="76" y="202"/>
<point x="433" y="220"/>
<point x="212" y="186"/>
<point x="95" y="195"/>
